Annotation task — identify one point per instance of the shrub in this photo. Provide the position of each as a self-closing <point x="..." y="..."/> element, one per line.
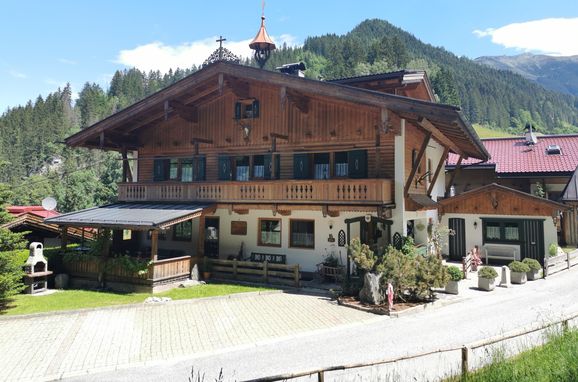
<point x="487" y="273"/>
<point x="10" y="241"/>
<point x="362" y="256"/>
<point x="11" y="272"/>
<point x="430" y="273"/>
<point x="129" y="264"/>
<point x="532" y="263"/>
<point x="518" y="266"/>
<point x="455" y="273"/>
<point x="399" y="270"/>
<point x="553" y="249"/>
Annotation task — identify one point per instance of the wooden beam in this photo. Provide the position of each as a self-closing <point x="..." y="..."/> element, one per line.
<point x="283" y="97"/>
<point x="202" y="140"/>
<point x="439" y="168"/>
<point x="298" y="99"/>
<point x="187" y="112"/>
<point x="438" y="135"/>
<point x="280" y="136"/>
<point x="457" y="169"/>
<point x="415" y="165"/>
<point x="126" y="171"/>
<point x="154" y="245"/>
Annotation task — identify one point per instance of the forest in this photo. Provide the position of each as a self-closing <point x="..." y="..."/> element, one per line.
<point x="34" y="162"/>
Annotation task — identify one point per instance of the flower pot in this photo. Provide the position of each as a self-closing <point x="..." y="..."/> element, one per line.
<point x="206" y="275"/>
<point x="534" y="275"/>
<point x="453" y="287"/>
<point x="486" y="284"/>
<point x="518" y="277"/>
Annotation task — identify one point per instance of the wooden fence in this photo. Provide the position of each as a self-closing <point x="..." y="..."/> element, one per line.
<point x="555" y="264"/>
<point x="464" y="351"/>
<point x="254" y="271"/>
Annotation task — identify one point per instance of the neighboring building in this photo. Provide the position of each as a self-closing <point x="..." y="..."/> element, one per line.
<point x="275" y="162"/>
<point x="31" y="219"/>
<point x="537" y="165"/>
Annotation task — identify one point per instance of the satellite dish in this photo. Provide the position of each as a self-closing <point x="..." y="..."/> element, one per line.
<point x="49" y="203"/>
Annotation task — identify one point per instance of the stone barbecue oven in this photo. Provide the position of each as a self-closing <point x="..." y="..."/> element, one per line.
<point x="36" y="270"/>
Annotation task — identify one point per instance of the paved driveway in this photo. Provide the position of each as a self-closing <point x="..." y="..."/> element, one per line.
<point x="52" y="346"/>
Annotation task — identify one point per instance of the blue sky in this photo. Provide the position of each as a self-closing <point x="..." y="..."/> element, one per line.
<point x="45" y="44"/>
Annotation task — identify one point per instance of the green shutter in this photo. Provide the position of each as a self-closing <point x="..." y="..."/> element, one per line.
<point x="224" y="168"/>
<point x="357" y="164"/>
<point x="200" y="169"/>
<point x="301" y="167"/>
<point x="268" y="163"/>
<point x="238" y="110"/>
<point x="256" y="109"/>
<point x="160" y="168"/>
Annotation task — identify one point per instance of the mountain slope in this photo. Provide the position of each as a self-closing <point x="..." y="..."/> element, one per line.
<point x="555" y="73"/>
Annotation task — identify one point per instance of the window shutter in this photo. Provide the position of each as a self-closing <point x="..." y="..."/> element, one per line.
<point x="238" y="107"/>
<point x="357" y="164"/>
<point x="267" y="164"/>
<point x="200" y="169"/>
<point x="224" y="168"/>
<point x="301" y="166"/>
<point x="256" y="108"/>
<point x="160" y="167"/>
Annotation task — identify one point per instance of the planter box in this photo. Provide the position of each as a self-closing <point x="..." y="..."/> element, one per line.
<point x="518" y="277"/>
<point x="534" y="275"/>
<point x="453" y="287"/>
<point x="486" y="284"/>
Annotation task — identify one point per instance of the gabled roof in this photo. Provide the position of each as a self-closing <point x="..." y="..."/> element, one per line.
<point x="513" y="156"/>
<point x="35" y="210"/>
<point x="570" y="193"/>
<point x="30" y="220"/>
<point x="210" y="81"/>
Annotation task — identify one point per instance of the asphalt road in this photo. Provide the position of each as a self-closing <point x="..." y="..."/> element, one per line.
<point x="480" y="315"/>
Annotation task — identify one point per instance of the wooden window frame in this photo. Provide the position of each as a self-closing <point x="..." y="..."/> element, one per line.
<point x="291" y="245"/>
<point x="260" y="243"/>
<point x="502" y="223"/>
<point x="179" y="238"/>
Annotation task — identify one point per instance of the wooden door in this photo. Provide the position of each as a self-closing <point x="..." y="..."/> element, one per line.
<point x="457" y="242"/>
<point x="532" y="245"/>
<point x="212" y="237"/>
<point x="357" y="164"/>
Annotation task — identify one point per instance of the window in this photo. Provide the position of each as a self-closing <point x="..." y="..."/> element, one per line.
<point x="242" y="168"/>
<point x="501" y="231"/>
<point x="162" y="235"/>
<point x="187" y="170"/>
<point x="270" y="232"/>
<point x="174" y="169"/>
<point x="341" y="165"/>
<point x="247" y="108"/>
<point x="183" y="231"/>
<point x="321" y="166"/>
<point x="259" y="166"/>
<point x="302" y="233"/>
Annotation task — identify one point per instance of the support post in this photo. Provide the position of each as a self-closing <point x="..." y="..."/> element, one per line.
<point x="154" y="245"/>
<point x="416" y="164"/>
<point x="235" y="268"/>
<point x="348" y="254"/>
<point x="321" y="376"/>
<point x="568" y="259"/>
<point x="296" y="275"/>
<point x="545" y="267"/>
<point x="457" y="169"/>
<point x="266" y="271"/>
<point x="63" y="237"/>
<point x="465" y="360"/>
<point x="441" y="165"/>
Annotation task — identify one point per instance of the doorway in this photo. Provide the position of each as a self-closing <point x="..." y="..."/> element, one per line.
<point x="457" y="241"/>
<point x="212" y="237"/>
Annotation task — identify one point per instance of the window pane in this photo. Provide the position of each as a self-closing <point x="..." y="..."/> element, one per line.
<point x="493" y="231"/>
<point x="174" y="169"/>
<point x="303" y="233"/>
<point x="270" y="232"/>
<point x="183" y="231"/>
<point x="341" y="165"/>
<point x="511" y="231"/>
<point x="322" y="171"/>
<point x="187" y="170"/>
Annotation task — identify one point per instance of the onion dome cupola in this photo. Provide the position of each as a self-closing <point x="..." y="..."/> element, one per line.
<point x="262" y="45"/>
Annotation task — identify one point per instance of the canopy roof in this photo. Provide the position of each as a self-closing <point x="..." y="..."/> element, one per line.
<point x="207" y="84"/>
<point x="138" y="216"/>
<point x="570" y="193"/>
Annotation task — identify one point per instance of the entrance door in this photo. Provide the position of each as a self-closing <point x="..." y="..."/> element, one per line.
<point x="457" y="242"/>
<point x="212" y="237"/>
<point x="374" y="234"/>
<point x="533" y="240"/>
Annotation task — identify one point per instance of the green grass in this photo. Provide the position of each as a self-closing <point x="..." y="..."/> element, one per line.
<point x="554" y="361"/>
<point x="486" y="132"/>
<point x="79" y="299"/>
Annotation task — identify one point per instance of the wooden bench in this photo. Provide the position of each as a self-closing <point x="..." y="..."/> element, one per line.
<point x="329" y="272"/>
<point x="501" y="252"/>
<point x="269" y="257"/>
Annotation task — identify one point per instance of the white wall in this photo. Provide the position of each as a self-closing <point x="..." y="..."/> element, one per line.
<point x="434" y="152"/>
<point x="399" y="182"/>
<point x="474" y="235"/>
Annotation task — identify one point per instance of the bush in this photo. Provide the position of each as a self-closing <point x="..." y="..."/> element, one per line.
<point x="430" y="273"/>
<point x="553" y="249"/>
<point x="362" y="256"/>
<point x="518" y="266"/>
<point x="399" y="270"/>
<point x="455" y="273"/>
<point x="10" y="241"/>
<point x="11" y="272"/>
<point x="533" y="264"/>
<point x="487" y="273"/>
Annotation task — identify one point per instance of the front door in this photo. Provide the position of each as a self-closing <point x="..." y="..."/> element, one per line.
<point x="533" y="240"/>
<point x="212" y="237"/>
<point x="457" y="242"/>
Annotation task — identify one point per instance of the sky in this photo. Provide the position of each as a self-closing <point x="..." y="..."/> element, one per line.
<point x="46" y="44"/>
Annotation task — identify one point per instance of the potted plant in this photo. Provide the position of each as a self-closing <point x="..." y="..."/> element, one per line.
<point x="455" y="275"/>
<point x="535" y="268"/>
<point x="518" y="272"/>
<point x="487" y="278"/>
<point x="206" y="269"/>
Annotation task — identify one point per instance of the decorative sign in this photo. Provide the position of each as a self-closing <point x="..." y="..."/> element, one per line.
<point x="238" y="228"/>
<point x="341" y="239"/>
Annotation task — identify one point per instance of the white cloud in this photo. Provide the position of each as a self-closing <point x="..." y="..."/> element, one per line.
<point x="67" y="61"/>
<point x="554" y="36"/>
<point x="158" y="56"/>
<point x="17" y="74"/>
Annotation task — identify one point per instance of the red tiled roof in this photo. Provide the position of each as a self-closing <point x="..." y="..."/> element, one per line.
<point x="36" y="210"/>
<point x="512" y="155"/>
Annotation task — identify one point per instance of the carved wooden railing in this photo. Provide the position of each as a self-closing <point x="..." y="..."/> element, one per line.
<point x="339" y="191"/>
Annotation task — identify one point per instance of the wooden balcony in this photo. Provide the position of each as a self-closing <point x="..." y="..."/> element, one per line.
<point x="334" y="191"/>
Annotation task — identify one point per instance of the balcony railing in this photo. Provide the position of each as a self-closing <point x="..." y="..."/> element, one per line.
<point x="337" y="191"/>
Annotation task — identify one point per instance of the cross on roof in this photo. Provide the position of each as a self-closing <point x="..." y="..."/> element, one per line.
<point x="220" y="41"/>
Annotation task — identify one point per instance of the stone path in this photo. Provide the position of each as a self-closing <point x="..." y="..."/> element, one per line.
<point x="52" y="346"/>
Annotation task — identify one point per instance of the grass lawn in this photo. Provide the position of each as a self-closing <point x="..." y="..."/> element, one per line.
<point x="486" y="132"/>
<point x="78" y="299"/>
<point x="555" y="361"/>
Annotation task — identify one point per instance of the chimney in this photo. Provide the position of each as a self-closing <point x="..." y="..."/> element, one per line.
<point x="294" y="69"/>
<point x="531" y="138"/>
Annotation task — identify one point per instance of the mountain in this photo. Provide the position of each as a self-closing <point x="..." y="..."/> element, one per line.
<point x="555" y="73"/>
